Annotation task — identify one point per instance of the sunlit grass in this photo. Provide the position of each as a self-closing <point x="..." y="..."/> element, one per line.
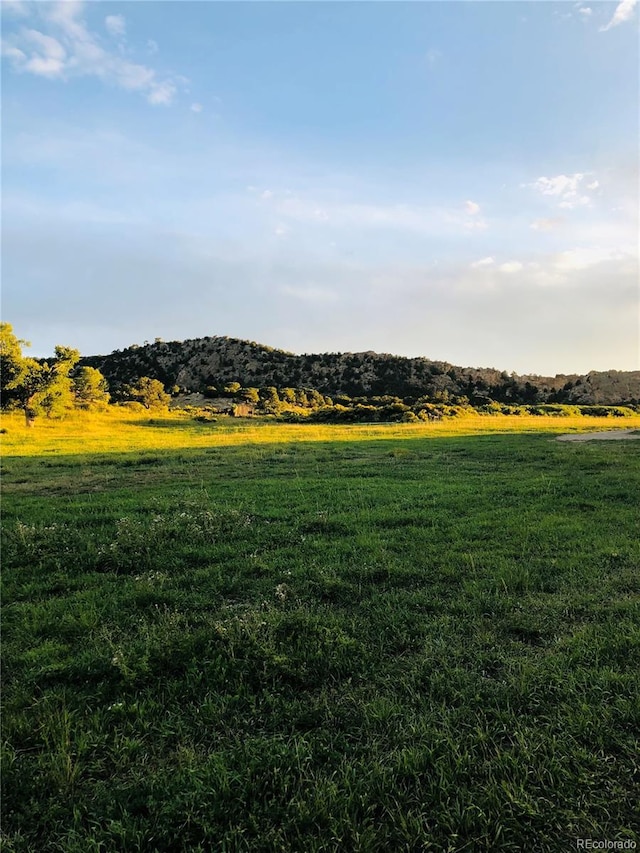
<point x="118" y="430"/>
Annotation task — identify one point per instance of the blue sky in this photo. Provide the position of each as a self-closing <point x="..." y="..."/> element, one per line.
<point x="457" y="180"/>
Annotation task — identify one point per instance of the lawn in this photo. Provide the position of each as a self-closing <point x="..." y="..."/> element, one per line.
<point x="266" y="637"/>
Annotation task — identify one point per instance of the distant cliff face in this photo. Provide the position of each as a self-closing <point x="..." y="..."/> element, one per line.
<point x="202" y="363"/>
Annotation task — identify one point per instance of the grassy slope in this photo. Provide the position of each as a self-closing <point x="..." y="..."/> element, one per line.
<point x="255" y="639"/>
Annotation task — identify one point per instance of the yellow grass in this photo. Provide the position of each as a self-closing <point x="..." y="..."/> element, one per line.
<point x="118" y="430"/>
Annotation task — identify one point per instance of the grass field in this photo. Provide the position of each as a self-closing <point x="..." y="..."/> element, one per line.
<point x="267" y="637"/>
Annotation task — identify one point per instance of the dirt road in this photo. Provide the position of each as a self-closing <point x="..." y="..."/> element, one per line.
<point x="609" y="435"/>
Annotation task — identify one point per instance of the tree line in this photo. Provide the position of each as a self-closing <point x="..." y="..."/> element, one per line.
<point x="54" y="386"/>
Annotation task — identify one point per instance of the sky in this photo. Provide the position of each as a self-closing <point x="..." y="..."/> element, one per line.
<point x="455" y="180"/>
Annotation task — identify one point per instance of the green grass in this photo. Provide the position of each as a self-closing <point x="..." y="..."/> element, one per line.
<point x="400" y="641"/>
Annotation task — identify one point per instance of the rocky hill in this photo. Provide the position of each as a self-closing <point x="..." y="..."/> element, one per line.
<point x="213" y="362"/>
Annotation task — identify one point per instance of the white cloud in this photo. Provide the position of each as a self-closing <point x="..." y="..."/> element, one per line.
<point x="342" y="213"/>
<point x="46" y="56"/>
<point x="560" y="185"/>
<point x="472" y="209"/>
<point x="579" y="201"/>
<point x="433" y="56"/>
<point x="196" y="108"/>
<point x="16" y="8"/>
<point x="280" y="230"/>
<point x="623" y="13"/>
<point x="152" y="46"/>
<point x="586" y="11"/>
<point x="483" y="262"/>
<point x="161" y="93"/>
<point x="115" y="25"/>
<point x="566" y="189"/>
<point x="476" y="225"/>
<point x="546" y="224"/>
<point x="64" y="48"/>
<point x="353" y="214"/>
<point x="13" y="53"/>
<point x="583" y="258"/>
<point x="511" y="267"/>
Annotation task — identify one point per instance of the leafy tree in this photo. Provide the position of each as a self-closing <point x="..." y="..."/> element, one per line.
<point x="301" y="398"/>
<point x="31" y="385"/>
<point x="314" y="398"/>
<point x="248" y="395"/>
<point x="11" y="359"/>
<point x="270" y="401"/>
<point x="150" y="392"/>
<point x="288" y="395"/>
<point x="231" y="389"/>
<point x="90" y="388"/>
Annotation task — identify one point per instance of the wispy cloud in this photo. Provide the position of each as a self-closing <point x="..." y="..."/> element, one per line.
<point x="15" y="8"/>
<point x="64" y="47"/>
<point x="115" y="25"/>
<point x="582" y="258"/>
<point x="511" y="267"/>
<point x="473" y="221"/>
<point x="42" y="54"/>
<point x="433" y="56"/>
<point x="623" y="13"/>
<point x="356" y="214"/>
<point x="546" y="224"/>
<point x="483" y="262"/>
<point x="296" y="291"/>
<point x="310" y="293"/>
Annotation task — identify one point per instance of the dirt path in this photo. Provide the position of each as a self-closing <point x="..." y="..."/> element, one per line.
<point x="609" y="435"/>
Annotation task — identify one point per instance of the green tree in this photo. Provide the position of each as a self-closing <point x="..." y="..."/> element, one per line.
<point x="248" y="395"/>
<point x="31" y="385"/>
<point x="231" y="389"/>
<point x="315" y="399"/>
<point x="150" y="392"/>
<point x="301" y="398"/>
<point x="90" y="389"/>
<point x="269" y="400"/>
<point x="11" y="360"/>
<point x="288" y="395"/>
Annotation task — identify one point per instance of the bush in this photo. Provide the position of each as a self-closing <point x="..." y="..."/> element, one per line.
<point x="131" y="405"/>
<point x="606" y="411"/>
